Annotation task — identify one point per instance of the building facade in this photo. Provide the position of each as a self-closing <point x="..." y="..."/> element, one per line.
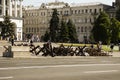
<point x="117" y="3"/>
<point x="13" y="8"/>
<point x="36" y="19"/>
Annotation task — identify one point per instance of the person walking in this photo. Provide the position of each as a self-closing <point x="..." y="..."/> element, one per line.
<point x="12" y="41"/>
<point x="111" y="47"/>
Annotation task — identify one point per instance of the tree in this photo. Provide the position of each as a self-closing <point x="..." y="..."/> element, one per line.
<point x="101" y="28"/>
<point x="29" y="35"/>
<point x="7" y="28"/>
<point x="63" y="32"/>
<point x="46" y="37"/>
<point x="118" y="14"/>
<point x="54" y="26"/>
<point x="72" y="32"/>
<point x="115" y="30"/>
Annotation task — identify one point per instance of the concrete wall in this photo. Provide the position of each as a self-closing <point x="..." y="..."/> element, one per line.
<point x="17" y="51"/>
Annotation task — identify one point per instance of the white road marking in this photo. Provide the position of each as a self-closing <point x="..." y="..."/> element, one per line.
<point x="6" y="77"/>
<point x="107" y="71"/>
<point x="106" y="61"/>
<point x="57" y="66"/>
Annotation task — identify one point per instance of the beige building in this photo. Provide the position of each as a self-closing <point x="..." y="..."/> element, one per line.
<point x="36" y="19"/>
<point x="13" y="8"/>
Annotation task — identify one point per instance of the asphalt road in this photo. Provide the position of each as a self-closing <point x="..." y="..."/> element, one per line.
<point x="60" y="68"/>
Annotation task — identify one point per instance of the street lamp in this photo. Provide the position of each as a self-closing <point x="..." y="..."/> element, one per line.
<point x="0" y="32"/>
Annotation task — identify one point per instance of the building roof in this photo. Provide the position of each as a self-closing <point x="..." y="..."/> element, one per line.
<point x="56" y="5"/>
<point x="85" y="4"/>
<point x="61" y="5"/>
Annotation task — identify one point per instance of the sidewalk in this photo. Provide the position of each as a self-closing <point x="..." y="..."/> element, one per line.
<point x="115" y="54"/>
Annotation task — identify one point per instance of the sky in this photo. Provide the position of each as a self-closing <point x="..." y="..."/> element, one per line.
<point x="38" y="2"/>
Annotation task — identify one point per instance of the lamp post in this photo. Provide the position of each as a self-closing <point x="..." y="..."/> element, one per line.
<point x="0" y="32"/>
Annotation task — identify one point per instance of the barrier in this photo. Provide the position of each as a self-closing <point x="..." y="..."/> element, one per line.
<point x="8" y="52"/>
<point x="49" y="50"/>
<point x="16" y="51"/>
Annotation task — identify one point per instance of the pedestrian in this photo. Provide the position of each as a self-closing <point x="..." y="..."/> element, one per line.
<point x="12" y="41"/>
<point x="99" y="46"/>
<point x="119" y="46"/>
<point x="92" y="46"/>
<point x="111" y="47"/>
<point x="31" y="42"/>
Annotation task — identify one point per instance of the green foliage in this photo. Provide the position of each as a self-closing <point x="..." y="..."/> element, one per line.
<point x="64" y="32"/>
<point x="7" y="27"/>
<point x="46" y="37"/>
<point x="118" y="14"/>
<point x="118" y="18"/>
<point x="72" y="32"/>
<point x="101" y="28"/>
<point x="115" y="30"/>
<point x="54" y="26"/>
<point x="29" y="36"/>
<point x="106" y="30"/>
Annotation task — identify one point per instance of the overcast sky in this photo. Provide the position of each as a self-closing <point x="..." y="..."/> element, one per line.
<point x="38" y="2"/>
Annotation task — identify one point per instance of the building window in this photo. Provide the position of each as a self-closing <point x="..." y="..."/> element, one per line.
<point x="41" y="13"/>
<point x="29" y="30"/>
<point x="26" y="30"/>
<point x="81" y="29"/>
<point x="100" y="9"/>
<point x="6" y="1"/>
<point x="72" y="12"/>
<point x="61" y="12"/>
<point x="67" y="12"/>
<point x="0" y="1"/>
<point x="90" y="10"/>
<point x="82" y="11"/>
<point x="64" y="12"/>
<point x="95" y="11"/>
<point x="0" y="11"/>
<point x="75" y="11"/>
<point x="85" y="29"/>
<point x="78" y="29"/>
<point x="90" y="28"/>
<point x="85" y="20"/>
<point x="37" y="29"/>
<point x="79" y="12"/>
<point x="90" y="20"/>
<point x="44" y="13"/>
<point x="32" y="30"/>
<point x="86" y="11"/>
<point x="58" y="12"/>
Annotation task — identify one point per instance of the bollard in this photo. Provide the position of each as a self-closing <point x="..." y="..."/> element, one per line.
<point x="119" y="46"/>
<point x="8" y="52"/>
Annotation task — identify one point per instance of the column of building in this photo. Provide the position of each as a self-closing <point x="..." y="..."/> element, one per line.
<point x="16" y="7"/>
<point x="4" y="8"/>
<point x="21" y="8"/>
<point x="10" y="5"/>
